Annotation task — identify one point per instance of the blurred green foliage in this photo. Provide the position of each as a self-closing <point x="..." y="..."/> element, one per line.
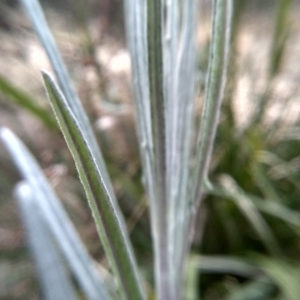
<point x="253" y="158"/>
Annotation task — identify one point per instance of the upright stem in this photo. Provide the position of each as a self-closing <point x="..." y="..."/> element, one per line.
<point x="155" y="65"/>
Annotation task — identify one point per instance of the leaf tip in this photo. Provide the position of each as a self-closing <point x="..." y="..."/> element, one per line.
<point x="47" y="77"/>
<point x="45" y="73"/>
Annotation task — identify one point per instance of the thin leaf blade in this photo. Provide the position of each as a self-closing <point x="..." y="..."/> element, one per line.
<point x="55" y="216"/>
<point x="106" y="212"/>
<point x="38" y="20"/>
<point x="51" y="271"/>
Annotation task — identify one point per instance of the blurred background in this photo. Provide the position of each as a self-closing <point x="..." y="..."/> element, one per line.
<point x="256" y="156"/>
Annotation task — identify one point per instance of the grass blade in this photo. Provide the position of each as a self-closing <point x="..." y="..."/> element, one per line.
<point x="280" y="35"/>
<point x="285" y="275"/>
<point x="255" y="290"/>
<point x="51" y="271"/>
<point x="277" y="210"/>
<point x="56" y="218"/>
<point x="250" y="211"/>
<point x="270" y="207"/>
<point x="23" y="100"/>
<point x="106" y="213"/>
<point x="277" y="51"/>
<point x="223" y="264"/>
<point x="264" y="184"/>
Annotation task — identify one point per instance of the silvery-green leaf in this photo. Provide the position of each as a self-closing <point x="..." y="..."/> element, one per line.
<point x="56" y="218"/>
<point x="106" y="213"/>
<point x="51" y="269"/>
<point x="35" y="13"/>
<point x="214" y="90"/>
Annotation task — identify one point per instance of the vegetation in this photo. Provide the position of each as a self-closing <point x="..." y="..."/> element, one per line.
<point x="223" y="200"/>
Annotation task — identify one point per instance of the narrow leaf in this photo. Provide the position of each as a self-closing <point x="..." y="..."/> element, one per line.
<point x="285" y="275"/>
<point x="215" y="84"/>
<point x="35" y="13"/>
<point x="136" y="33"/>
<point x="255" y="290"/>
<point x="227" y="265"/>
<point x="106" y="212"/>
<point x="280" y="35"/>
<point x="232" y="192"/>
<point x="289" y="216"/>
<point x="52" y="273"/>
<point x="57" y="220"/>
<point x="214" y="93"/>
<point x="269" y="207"/>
